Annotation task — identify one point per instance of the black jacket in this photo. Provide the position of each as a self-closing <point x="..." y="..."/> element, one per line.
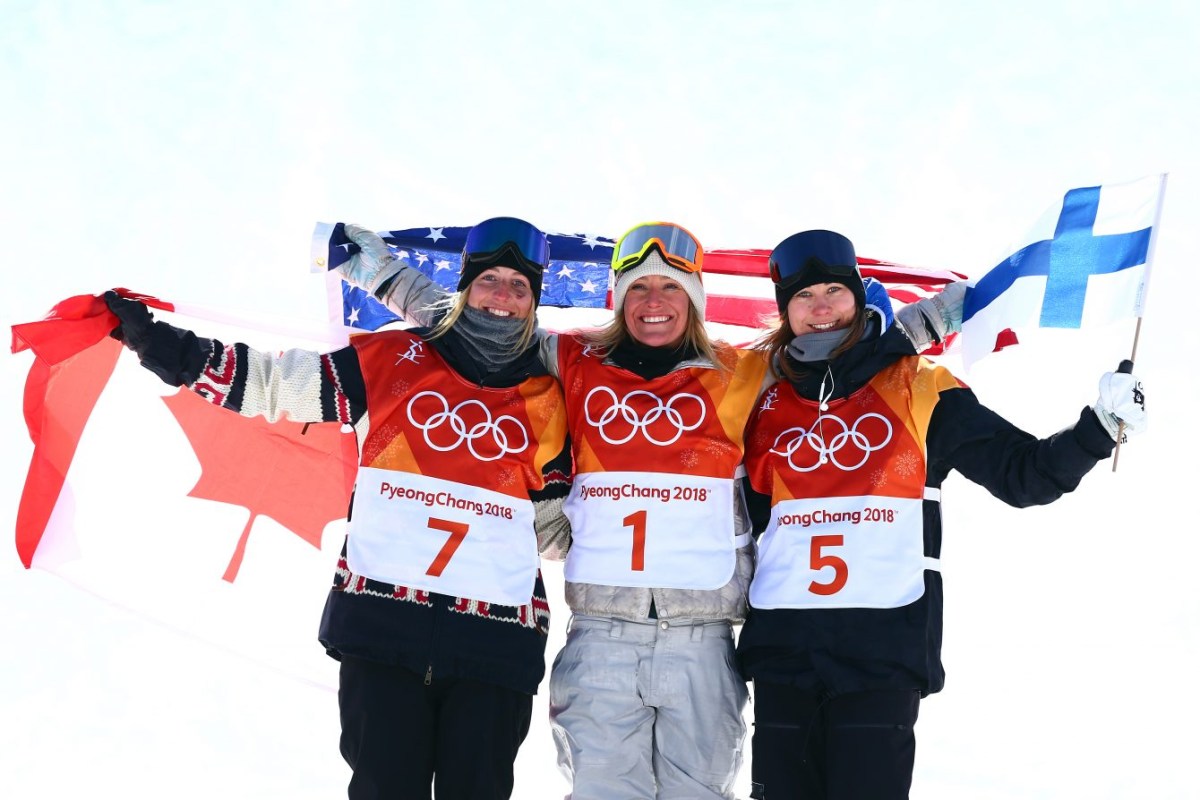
<point x="854" y="649"/>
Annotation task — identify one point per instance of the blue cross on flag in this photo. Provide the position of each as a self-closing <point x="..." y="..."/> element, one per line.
<point x="1086" y="263"/>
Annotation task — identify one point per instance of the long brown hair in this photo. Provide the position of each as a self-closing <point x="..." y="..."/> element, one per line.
<point x="775" y="342"/>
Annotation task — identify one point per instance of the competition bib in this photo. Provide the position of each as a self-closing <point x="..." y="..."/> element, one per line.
<point x="842" y="552"/>
<point x="442" y="536"/>
<point x="651" y="529"/>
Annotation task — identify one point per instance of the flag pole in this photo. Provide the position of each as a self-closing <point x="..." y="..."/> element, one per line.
<point x="1137" y="332"/>
<point x="1141" y="298"/>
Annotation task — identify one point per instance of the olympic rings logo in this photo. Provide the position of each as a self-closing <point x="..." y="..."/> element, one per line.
<point x="502" y="431"/>
<point x="641" y="415"/>
<point x="811" y="441"/>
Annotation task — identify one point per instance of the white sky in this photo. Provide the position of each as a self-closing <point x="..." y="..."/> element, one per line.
<point x="187" y="149"/>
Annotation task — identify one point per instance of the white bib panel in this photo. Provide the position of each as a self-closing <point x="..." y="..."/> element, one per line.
<point x="651" y="529"/>
<point x="442" y="536"/>
<point x="841" y="552"/>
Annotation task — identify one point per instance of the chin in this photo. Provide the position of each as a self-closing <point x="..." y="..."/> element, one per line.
<point x="660" y="341"/>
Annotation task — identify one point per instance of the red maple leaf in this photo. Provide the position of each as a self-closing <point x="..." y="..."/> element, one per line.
<point x="298" y="475"/>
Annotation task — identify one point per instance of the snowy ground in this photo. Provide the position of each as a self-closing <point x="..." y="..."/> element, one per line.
<point x="188" y="150"/>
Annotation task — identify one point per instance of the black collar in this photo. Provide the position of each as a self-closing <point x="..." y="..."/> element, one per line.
<point x="650" y="362"/>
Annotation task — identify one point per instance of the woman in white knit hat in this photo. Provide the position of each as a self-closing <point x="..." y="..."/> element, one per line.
<point x="645" y="698"/>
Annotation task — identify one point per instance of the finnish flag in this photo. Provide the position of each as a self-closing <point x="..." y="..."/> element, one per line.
<point x="1085" y="263"/>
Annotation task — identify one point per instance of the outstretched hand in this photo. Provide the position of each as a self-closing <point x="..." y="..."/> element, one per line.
<point x="949" y="303"/>
<point x="366" y="269"/>
<point x="930" y="320"/>
<point x="136" y="321"/>
<point x="173" y="354"/>
<point x="1122" y="401"/>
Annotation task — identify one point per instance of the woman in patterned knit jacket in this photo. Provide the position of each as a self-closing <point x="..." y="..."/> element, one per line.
<point x="437" y="612"/>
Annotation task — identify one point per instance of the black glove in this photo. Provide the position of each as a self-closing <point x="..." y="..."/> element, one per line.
<point x="176" y="356"/>
<point x="136" y="321"/>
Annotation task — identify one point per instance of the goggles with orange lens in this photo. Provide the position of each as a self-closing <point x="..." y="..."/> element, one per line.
<point x="678" y="247"/>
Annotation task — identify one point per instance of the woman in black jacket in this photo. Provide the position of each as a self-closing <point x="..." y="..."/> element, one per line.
<point x="845" y="459"/>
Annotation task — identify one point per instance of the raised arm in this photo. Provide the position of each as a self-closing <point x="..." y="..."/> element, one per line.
<point x="400" y="287"/>
<point x="931" y="319"/>
<point x="1017" y="467"/>
<point x="301" y="385"/>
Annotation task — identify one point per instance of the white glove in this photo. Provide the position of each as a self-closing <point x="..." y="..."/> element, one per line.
<point x="1121" y="401"/>
<point x="932" y="319"/>
<point x="372" y="264"/>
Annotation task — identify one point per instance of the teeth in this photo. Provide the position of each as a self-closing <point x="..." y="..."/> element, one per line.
<point x="655" y="319"/>
<point x="824" y="327"/>
<point x="495" y="312"/>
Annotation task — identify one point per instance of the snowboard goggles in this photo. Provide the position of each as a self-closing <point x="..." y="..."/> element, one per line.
<point x="811" y="254"/>
<point x="492" y="235"/>
<point x="678" y="247"/>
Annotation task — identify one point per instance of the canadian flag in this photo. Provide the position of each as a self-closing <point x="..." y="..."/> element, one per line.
<point x="224" y="527"/>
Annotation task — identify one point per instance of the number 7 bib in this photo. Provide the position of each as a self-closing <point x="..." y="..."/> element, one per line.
<point x="442" y="536"/>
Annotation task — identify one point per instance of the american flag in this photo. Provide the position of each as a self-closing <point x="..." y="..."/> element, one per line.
<point x="741" y="297"/>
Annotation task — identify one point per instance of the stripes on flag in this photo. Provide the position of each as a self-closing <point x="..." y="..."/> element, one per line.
<point x="741" y="297"/>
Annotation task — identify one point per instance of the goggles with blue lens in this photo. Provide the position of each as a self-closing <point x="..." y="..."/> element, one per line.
<point x="493" y="235"/>
<point x="678" y="247"/>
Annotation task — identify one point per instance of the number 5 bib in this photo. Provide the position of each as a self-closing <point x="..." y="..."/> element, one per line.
<point x="841" y="552"/>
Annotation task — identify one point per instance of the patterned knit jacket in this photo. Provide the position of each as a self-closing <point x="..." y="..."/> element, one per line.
<point x="433" y="635"/>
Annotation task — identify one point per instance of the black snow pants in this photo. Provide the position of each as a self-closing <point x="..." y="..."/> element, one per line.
<point x="810" y="746"/>
<point x="402" y="737"/>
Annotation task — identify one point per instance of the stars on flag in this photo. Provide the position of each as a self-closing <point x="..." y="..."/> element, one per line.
<point x="579" y="273"/>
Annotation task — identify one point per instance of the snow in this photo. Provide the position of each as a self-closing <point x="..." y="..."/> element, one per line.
<point x="188" y="151"/>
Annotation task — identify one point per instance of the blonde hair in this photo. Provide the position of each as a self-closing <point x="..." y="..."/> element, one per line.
<point x="775" y="342"/>
<point x="455" y="305"/>
<point x="695" y="336"/>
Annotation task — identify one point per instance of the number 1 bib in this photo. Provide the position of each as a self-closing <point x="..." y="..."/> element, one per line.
<point x="651" y="529"/>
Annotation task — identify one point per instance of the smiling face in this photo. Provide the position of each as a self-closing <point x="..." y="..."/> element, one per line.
<point x="821" y="307"/>
<point x="501" y="292"/>
<point x="656" y="311"/>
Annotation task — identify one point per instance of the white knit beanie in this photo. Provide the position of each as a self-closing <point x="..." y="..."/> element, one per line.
<point x="655" y="265"/>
